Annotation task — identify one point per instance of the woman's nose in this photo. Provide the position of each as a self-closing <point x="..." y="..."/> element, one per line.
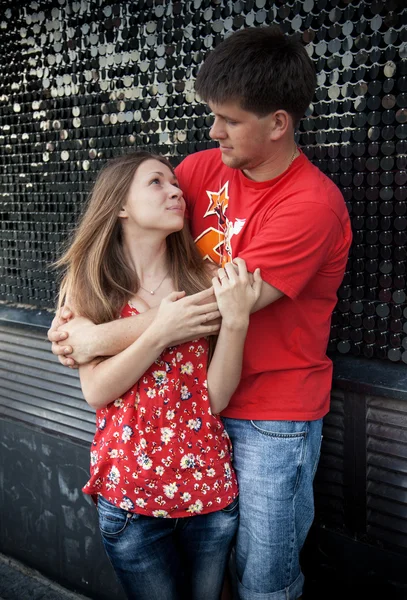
<point x="175" y="192"/>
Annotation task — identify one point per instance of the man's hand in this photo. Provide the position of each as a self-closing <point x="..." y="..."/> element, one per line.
<point x="59" y="347"/>
<point x="77" y="350"/>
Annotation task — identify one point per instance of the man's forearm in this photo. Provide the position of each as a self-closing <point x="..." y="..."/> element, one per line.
<point x="85" y="341"/>
<point x="111" y="338"/>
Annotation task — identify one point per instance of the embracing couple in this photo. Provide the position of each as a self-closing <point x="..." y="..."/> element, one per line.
<point x="196" y="303"/>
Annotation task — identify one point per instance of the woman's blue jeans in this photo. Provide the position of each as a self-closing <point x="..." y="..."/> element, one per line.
<point x="275" y="463"/>
<point x="168" y="559"/>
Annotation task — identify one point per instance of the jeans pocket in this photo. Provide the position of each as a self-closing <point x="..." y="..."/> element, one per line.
<point x="281" y="429"/>
<point x="112" y="520"/>
<point x="232" y="506"/>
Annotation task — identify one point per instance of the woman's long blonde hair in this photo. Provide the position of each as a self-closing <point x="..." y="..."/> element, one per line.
<point x="97" y="279"/>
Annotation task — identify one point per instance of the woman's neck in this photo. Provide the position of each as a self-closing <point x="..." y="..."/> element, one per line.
<point x="148" y="258"/>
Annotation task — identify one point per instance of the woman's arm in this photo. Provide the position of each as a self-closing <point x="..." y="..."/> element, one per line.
<point x="235" y="296"/>
<point x="104" y="380"/>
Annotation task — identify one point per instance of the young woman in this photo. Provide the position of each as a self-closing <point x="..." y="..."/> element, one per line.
<point x="161" y="470"/>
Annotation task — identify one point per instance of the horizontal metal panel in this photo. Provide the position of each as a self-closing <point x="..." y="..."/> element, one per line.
<point x="390" y="450"/>
<point x="386" y="486"/>
<point x="386" y="477"/>
<point x="387" y="523"/>
<point x="386" y="506"/>
<point x="390" y="538"/>
<point x="37" y="389"/>
<point x="329" y="486"/>
<point x="378" y="414"/>
<point x="386" y="461"/>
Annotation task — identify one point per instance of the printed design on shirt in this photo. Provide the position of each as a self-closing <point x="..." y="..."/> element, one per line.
<point x="215" y="244"/>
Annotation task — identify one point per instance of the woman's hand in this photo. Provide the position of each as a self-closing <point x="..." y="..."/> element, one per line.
<point x="180" y="318"/>
<point x="235" y="294"/>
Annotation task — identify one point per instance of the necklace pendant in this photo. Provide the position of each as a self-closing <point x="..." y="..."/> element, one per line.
<point x="152" y="293"/>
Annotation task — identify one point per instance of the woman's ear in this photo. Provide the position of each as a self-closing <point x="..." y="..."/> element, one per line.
<point x="123" y="213"/>
<point x="281" y="122"/>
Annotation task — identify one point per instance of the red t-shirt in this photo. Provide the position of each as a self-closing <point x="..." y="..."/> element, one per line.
<point x="296" y="228"/>
<point x="158" y="450"/>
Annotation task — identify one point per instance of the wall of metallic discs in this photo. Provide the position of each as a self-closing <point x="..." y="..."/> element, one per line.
<point x="84" y="81"/>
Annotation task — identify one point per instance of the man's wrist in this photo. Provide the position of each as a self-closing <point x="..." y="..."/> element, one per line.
<point x="94" y="342"/>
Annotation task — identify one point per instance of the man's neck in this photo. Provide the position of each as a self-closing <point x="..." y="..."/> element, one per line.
<point x="280" y="162"/>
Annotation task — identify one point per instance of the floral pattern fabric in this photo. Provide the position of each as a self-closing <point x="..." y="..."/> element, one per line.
<point x="158" y="450"/>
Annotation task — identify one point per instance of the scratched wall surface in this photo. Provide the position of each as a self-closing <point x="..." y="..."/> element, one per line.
<point x="83" y="81"/>
<point x="45" y="520"/>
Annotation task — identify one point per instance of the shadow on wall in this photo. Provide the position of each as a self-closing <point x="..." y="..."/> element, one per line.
<point x="54" y="525"/>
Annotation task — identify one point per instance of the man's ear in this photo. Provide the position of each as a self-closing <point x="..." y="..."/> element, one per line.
<point x="280" y="123"/>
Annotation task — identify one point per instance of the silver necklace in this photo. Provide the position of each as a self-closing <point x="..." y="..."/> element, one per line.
<point x="292" y="158"/>
<point x="152" y="292"/>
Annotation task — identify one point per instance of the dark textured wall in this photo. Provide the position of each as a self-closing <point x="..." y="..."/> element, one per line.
<point x="83" y="81"/>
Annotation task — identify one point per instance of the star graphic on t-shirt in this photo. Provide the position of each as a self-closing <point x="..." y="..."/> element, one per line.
<point x="218" y="203"/>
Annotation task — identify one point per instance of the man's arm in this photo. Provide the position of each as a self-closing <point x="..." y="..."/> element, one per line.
<point x="78" y="341"/>
<point x="291" y="248"/>
<point x="268" y="295"/>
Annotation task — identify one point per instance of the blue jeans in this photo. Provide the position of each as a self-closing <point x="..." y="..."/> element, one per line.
<point x="275" y="463"/>
<point x="169" y="559"/>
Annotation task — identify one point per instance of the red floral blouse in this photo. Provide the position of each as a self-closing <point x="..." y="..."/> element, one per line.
<point x="158" y="450"/>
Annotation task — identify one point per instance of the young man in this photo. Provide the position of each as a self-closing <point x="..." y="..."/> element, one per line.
<point x="258" y="197"/>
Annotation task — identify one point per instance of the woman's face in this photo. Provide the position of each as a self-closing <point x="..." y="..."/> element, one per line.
<point x="154" y="202"/>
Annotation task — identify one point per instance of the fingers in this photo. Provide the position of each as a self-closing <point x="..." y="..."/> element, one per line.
<point x="205" y="330"/>
<point x="233" y="271"/>
<point x="66" y="313"/>
<point x="61" y="350"/>
<point x="67" y="362"/>
<point x="257" y="276"/>
<point x="56" y="336"/>
<point x="241" y="266"/>
<point x="199" y="296"/>
<point x="216" y="285"/>
<point x="62" y="316"/>
<point x="221" y="274"/>
<point x="173" y="297"/>
<point x="54" y="326"/>
<point x="210" y="316"/>
<point x="257" y="282"/>
<point x="206" y="308"/>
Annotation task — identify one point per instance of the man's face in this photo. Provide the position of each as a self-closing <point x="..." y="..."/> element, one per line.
<point x="244" y="138"/>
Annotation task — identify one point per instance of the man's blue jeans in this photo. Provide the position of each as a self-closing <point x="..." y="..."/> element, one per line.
<point x="169" y="559"/>
<point x="275" y="463"/>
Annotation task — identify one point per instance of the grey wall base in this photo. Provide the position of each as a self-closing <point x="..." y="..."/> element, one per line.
<point x="358" y="541"/>
<point x="46" y="521"/>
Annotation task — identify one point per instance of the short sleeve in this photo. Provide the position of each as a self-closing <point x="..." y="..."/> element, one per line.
<point x="293" y="245"/>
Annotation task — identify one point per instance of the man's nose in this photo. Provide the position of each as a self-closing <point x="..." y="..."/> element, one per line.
<point x="217" y="131"/>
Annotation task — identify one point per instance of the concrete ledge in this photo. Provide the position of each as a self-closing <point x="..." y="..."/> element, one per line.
<point x="18" y="581"/>
<point x="370" y="376"/>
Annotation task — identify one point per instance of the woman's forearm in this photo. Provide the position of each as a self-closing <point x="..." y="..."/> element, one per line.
<point x="226" y="365"/>
<point x="103" y="381"/>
